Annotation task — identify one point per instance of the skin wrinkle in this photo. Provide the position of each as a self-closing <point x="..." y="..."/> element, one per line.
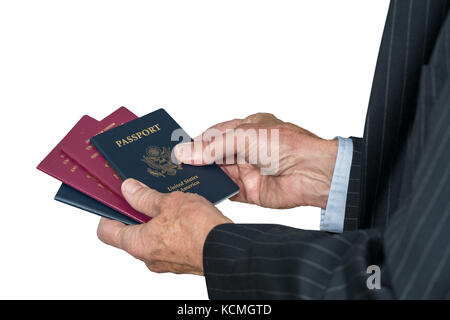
<point x="173" y="240"/>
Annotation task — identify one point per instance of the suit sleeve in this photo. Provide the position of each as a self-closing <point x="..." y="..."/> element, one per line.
<point x="353" y="204"/>
<point x="412" y="252"/>
<point x="254" y="261"/>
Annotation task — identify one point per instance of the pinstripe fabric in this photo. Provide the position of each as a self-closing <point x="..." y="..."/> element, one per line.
<point x="398" y="205"/>
<point x="352" y="207"/>
<point x="411" y="30"/>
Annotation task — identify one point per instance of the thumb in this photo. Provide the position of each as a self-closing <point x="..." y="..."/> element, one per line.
<point x="233" y="146"/>
<point x="192" y="152"/>
<point x="141" y="197"/>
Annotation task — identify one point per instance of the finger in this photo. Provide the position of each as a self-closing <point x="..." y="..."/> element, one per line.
<point x="232" y="146"/>
<point x="119" y="235"/>
<point x="234" y="174"/>
<point x="261" y="118"/>
<point x="141" y="197"/>
<point x="185" y="151"/>
<point x="257" y="118"/>
<point x="223" y="126"/>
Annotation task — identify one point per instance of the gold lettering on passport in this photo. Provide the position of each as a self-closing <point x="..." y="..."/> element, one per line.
<point x="185" y="184"/>
<point x="138" y="135"/>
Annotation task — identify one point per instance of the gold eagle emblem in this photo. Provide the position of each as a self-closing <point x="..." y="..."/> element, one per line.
<point x="159" y="162"/>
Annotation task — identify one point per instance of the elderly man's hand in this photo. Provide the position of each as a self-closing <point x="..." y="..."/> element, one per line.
<point x="173" y="240"/>
<point x="305" y="167"/>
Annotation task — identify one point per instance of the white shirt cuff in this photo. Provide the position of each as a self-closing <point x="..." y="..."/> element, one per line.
<point x="332" y="218"/>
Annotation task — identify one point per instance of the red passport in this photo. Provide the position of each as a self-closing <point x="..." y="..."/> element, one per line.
<point x="60" y="166"/>
<point x="85" y="154"/>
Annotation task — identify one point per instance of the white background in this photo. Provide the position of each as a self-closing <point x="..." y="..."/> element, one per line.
<point x="308" y="62"/>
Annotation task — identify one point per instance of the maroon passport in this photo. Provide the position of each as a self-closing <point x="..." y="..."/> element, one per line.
<point x="60" y="166"/>
<point x="85" y="154"/>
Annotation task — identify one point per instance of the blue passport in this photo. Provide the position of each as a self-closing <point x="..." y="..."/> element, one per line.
<point x="75" y="198"/>
<point x="142" y="149"/>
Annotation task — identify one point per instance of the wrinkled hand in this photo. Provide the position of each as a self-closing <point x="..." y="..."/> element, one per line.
<point x="304" y="173"/>
<point x="173" y="240"/>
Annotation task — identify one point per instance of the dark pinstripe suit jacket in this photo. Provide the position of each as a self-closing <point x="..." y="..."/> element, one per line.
<point x="398" y="203"/>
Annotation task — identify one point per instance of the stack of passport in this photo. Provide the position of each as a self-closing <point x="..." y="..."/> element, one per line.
<point x="95" y="157"/>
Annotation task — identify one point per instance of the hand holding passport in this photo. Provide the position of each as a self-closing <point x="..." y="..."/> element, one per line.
<point x="95" y="157"/>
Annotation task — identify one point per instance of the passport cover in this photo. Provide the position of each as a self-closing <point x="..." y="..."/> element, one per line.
<point x="70" y="196"/>
<point x="142" y="149"/>
<point x="60" y="166"/>
<point x="84" y="153"/>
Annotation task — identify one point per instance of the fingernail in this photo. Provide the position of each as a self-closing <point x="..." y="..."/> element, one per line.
<point x="130" y="186"/>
